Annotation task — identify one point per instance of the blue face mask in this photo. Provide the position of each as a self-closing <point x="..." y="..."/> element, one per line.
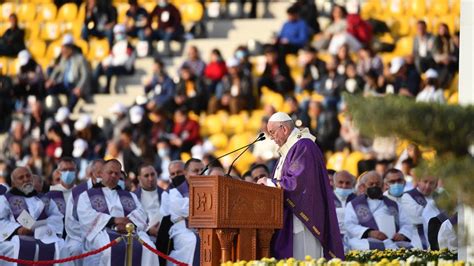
<point x="68" y="177"/>
<point x="121" y="184"/>
<point x="343" y="192"/>
<point x="240" y="54"/>
<point x="396" y="189"/>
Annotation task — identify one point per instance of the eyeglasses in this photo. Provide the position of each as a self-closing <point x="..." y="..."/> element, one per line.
<point x="272" y="132"/>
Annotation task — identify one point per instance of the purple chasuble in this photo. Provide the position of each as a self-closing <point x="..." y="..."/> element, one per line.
<point x="3" y="190"/>
<point x="308" y="195"/>
<point x="18" y="204"/>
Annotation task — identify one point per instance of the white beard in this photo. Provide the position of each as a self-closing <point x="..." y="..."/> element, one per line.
<point x="27" y="188"/>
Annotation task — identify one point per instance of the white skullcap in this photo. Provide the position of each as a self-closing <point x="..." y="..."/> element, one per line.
<point x="431" y="74"/>
<point x="23" y="57"/>
<point x="80" y="146"/>
<point x="62" y="114"/>
<point x="279" y="117"/>
<point x="83" y="122"/>
<point x="136" y="114"/>
<point x="118" y="108"/>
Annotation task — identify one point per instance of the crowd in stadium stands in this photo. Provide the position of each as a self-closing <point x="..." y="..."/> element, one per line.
<point x="154" y="135"/>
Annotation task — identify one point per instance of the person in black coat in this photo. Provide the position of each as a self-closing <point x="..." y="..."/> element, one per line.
<point x="13" y="40"/>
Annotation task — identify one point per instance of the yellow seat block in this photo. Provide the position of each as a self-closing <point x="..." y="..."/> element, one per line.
<point x="219" y="140"/>
<point x="191" y="12"/>
<point x="26" y="12"/>
<point x="67" y="12"/>
<point x="98" y="49"/>
<point x="37" y="48"/>
<point x="47" y="12"/>
<point x="50" y="31"/>
<point x="350" y="163"/>
<point x="53" y="50"/>
<point x="8" y="8"/>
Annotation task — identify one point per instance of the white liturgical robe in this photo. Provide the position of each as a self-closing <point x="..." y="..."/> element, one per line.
<point x="386" y="223"/>
<point x="184" y="239"/>
<point x="47" y="231"/>
<point x="94" y="226"/>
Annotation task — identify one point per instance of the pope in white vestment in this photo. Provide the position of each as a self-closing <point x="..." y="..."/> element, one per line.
<point x="30" y="224"/>
<point x="103" y="214"/>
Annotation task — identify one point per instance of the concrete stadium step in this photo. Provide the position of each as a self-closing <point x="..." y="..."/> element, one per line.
<point x="248" y="27"/>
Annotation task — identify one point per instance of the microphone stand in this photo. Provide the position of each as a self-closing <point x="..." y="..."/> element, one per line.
<point x="260" y="138"/>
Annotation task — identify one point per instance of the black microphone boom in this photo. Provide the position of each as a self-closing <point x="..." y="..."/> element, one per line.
<point x="260" y="137"/>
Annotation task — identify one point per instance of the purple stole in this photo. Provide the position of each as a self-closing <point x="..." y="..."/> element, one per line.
<point x="3" y="190"/>
<point x="28" y="243"/>
<point x="420" y="199"/>
<point x="58" y="198"/>
<point x="98" y="202"/>
<point x="184" y="189"/>
<point x="366" y="218"/>
<point x="454" y="219"/>
<point x="76" y="192"/>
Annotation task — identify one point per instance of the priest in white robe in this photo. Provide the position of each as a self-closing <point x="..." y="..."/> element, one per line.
<point x="30" y="224"/>
<point x="103" y="214"/>
<point x="373" y="221"/>
<point x="149" y="194"/>
<point x="394" y="184"/>
<point x="420" y="207"/>
<point x="344" y="184"/>
<point x="75" y="237"/>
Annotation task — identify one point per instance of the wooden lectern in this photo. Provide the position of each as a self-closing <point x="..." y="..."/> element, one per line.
<point x="236" y="219"/>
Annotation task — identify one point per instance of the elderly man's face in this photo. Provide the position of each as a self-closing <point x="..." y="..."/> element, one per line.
<point x="373" y="181"/>
<point x="277" y="132"/>
<point x="175" y="169"/>
<point x="427" y="185"/>
<point x="111" y="174"/>
<point x="344" y="181"/>
<point x="22" y="180"/>
<point x="148" y="178"/>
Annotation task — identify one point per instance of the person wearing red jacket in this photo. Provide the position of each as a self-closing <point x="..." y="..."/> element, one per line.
<point x="214" y="72"/>
<point x="185" y="133"/>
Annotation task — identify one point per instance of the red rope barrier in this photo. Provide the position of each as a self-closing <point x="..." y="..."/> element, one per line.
<point x="157" y="252"/>
<point x="49" y="262"/>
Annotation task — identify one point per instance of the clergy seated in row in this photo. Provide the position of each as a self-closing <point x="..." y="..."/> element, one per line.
<point x="149" y="194"/>
<point x="343" y="183"/>
<point x="420" y="207"/>
<point x="175" y="203"/>
<point x="394" y="185"/>
<point x="374" y="221"/>
<point x="30" y="224"/>
<point x="104" y="211"/>
<point x="75" y="235"/>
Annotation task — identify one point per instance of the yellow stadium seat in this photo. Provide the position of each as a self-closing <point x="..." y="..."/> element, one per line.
<point x="50" y="31"/>
<point x="3" y="28"/>
<point x="272" y="98"/>
<point x="37" y="48"/>
<point x="449" y="20"/>
<point x="83" y="45"/>
<point x="13" y="67"/>
<point x="404" y="46"/>
<point x="350" y="163"/>
<point x="213" y="124"/>
<point x="191" y="12"/>
<point x="32" y="31"/>
<point x="454" y="98"/>
<point x="219" y="140"/>
<point x="47" y="12"/>
<point x="440" y="8"/>
<point x="244" y="162"/>
<point x="98" y="49"/>
<point x="234" y="125"/>
<point x="336" y="161"/>
<point x="3" y="65"/>
<point x="396" y="7"/>
<point x="7" y="9"/>
<point x="149" y="6"/>
<point x="26" y="12"/>
<point x="240" y="140"/>
<point x="456" y="7"/>
<point x="417" y="8"/>
<point x="81" y="13"/>
<point x="53" y="50"/>
<point x="43" y="62"/>
<point x="122" y="11"/>
<point x="67" y="12"/>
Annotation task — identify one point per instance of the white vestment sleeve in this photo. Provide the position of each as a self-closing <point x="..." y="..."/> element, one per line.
<point x="138" y="216"/>
<point x="8" y="225"/>
<point x="164" y="206"/>
<point x="55" y="218"/>
<point x="73" y="228"/>
<point x="91" y="221"/>
<point x="411" y="209"/>
<point x="351" y="223"/>
<point x="406" y="228"/>
<point x="178" y="205"/>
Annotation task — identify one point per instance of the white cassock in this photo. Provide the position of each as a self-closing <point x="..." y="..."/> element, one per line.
<point x="94" y="223"/>
<point x="398" y="200"/>
<point x="386" y="223"/>
<point x="447" y="236"/>
<point x="74" y="244"/>
<point x="419" y="216"/>
<point x="151" y="204"/>
<point x="47" y="233"/>
<point x="184" y="239"/>
<point x="340" y="213"/>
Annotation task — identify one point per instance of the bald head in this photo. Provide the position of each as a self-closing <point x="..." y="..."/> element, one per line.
<point x="111" y="173"/>
<point x="22" y="179"/>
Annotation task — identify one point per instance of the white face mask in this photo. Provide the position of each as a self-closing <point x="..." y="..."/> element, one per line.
<point x="163" y="153"/>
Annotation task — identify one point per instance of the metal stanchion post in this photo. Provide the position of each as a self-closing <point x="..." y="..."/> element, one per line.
<point x="129" y="227"/>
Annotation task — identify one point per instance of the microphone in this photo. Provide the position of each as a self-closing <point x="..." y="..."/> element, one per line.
<point x="260" y="137"/>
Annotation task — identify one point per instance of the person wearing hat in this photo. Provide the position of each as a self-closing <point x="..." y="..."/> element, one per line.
<point x="120" y="61"/>
<point x="92" y="134"/>
<point x="431" y="93"/>
<point x="70" y="76"/>
<point x="29" y="79"/>
<point x="235" y="91"/>
<point x="310" y="225"/>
